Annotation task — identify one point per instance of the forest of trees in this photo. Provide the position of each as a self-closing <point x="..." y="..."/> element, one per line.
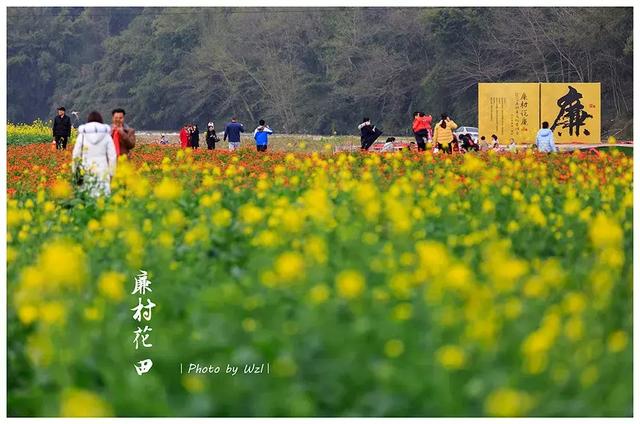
<point x="307" y="70"/>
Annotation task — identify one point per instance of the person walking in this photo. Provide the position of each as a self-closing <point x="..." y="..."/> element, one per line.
<point x="544" y="139"/>
<point x="124" y="137"/>
<point x="195" y="136"/>
<point x="232" y="132"/>
<point x="368" y="134"/>
<point x="61" y="129"/>
<point x="94" y="157"/>
<point x="211" y="136"/>
<point x="443" y="133"/>
<point x="261" y="135"/>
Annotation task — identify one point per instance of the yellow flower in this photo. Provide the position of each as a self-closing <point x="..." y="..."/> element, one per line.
<point x="165" y="239"/>
<point x="433" y="256"/>
<point x="14" y="217"/>
<point x="589" y="376"/>
<point x="505" y="402"/>
<point x="400" y="284"/>
<point x="168" y="189"/>
<point x="32" y="278"/>
<point x="394" y="348"/>
<point x="617" y="341"/>
<point x="402" y="312"/>
<point x="141" y="187"/>
<point x="193" y="383"/>
<point x="350" y="284"/>
<point x="574" y="328"/>
<point x="285" y="366"/>
<point x="289" y="266"/>
<point x="93" y="225"/>
<point x="27" y="314"/>
<point x="249" y="325"/>
<point x="111" y="285"/>
<point x="63" y="263"/>
<point x="265" y="238"/>
<point x="459" y="277"/>
<point x="195" y="235"/>
<point x="605" y="232"/>
<point x="175" y="219"/>
<point x="572" y="206"/>
<point x="61" y="189"/>
<point x="451" y="357"/>
<point x="83" y="403"/>
<point x="574" y="302"/>
<point x="53" y="313"/>
<point x="12" y="254"/>
<point x="316" y="249"/>
<point x="110" y="220"/>
<point x="92" y="313"/>
<point x="39" y="349"/>
<point x="250" y="214"/>
<point x="512" y="308"/>
<point x="319" y="293"/>
<point x="507" y="272"/>
<point x="49" y="207"/>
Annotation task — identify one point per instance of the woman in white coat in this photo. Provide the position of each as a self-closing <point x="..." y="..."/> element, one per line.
<point x="95" y="153"/>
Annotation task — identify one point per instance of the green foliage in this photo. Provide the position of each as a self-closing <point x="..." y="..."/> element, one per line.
<point x="308" y="70"/>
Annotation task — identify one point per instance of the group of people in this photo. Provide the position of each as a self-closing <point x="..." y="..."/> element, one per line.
<point x="190" y="135"/>
<point x="99" y="145"/>
<point x="442" y="137"/>
<point x="97" y="149"/>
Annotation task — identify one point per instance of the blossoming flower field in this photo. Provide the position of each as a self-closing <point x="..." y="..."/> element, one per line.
<point x="403" y="284"/>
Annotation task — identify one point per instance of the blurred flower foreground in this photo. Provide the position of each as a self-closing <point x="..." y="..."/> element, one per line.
<point x="373" y="285"/>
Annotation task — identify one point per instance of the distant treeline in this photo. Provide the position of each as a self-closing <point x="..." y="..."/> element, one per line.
<point x="307" y="70"/>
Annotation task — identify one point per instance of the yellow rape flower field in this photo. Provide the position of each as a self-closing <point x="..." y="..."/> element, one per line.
<point x="403" y="284"/>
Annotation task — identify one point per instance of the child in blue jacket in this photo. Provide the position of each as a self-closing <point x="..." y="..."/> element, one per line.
<point x="261" y="134"/>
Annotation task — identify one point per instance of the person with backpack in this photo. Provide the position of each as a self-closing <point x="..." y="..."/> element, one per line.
<point x="261" y="135"/>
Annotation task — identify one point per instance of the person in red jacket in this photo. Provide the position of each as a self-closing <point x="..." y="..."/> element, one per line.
<point x="184" y="137"/>
<point x="421" y="129"/>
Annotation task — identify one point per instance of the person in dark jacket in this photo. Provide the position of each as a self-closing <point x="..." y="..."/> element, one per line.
<point x="61" y="129"/>
<point x="232" y="131"/>
<point x="211" y="137"/>
<point x="368" y="134"/>
<point x="195" y="136"/>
